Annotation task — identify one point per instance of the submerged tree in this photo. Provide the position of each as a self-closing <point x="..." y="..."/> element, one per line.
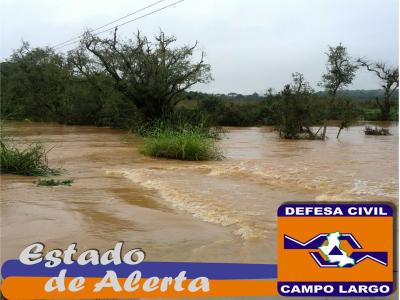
<point x="389" y="77"/>
<point x="340" y="72"/>
<point x="346" y="111"/>
<point x="150" y="74"/>
<point x="293" y="110"/>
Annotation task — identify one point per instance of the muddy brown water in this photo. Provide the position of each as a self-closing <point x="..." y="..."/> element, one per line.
<point x="222" y="211"/>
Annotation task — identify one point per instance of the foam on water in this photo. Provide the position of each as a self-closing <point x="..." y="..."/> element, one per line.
<point x="344" y="187"/>
<point x="363" y="190"/>
<point x="197" y="203"/>
<point x="194" y="189"/>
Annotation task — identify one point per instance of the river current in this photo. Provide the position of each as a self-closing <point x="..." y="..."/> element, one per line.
<point x="223" y="211"/>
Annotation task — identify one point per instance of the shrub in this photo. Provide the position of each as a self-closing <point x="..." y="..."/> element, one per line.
<point x="30" y="161"/>
<point x="376" y="131"/>
<point x="191" y="143"/>
<point x="52" y="182"/>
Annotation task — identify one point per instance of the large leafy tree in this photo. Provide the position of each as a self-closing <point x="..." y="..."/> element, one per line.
<point x="151" y="75"/>
<point x="389" y="78"/>
<point x="340" y="72"/>
<point x="33" y="83"/>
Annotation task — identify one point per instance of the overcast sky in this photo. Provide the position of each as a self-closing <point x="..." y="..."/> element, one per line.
<point x="251" y="44"/>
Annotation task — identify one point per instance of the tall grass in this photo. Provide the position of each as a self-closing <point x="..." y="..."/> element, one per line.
<point x="30" y="160"/>
<point x="184" y="143"/>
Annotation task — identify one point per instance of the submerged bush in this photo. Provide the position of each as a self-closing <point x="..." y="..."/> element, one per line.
<point x="30" y="161"/>
<point x="191" y="143"/>
<point x="293" y="111"/>
<point x="376" y="131"/>
<point x="52" y="182"/>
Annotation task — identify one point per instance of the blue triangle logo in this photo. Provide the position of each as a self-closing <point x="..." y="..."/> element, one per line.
<point x="335" y="251"/>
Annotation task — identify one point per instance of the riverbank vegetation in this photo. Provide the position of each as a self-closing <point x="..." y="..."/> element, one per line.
<point x="135" y="83"/>
<point x="29" y="160"/>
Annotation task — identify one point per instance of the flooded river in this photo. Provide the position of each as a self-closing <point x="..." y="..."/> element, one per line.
<point x="221" y="211"/>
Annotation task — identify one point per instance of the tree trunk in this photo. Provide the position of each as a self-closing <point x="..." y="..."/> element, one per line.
<point x="385" y="108"/>
<point x="324" y="131"/>
<point x="340" y="129"/>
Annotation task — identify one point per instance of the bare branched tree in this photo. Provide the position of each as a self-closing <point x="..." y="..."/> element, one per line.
<point x="389" y="78"/>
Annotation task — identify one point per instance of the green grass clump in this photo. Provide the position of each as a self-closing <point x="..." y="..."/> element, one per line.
<point x="52" y="182"/>
<point x="190" y="143"/>
<point x="30" y="161"/>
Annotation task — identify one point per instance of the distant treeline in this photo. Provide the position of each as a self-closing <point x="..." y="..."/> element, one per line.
<point x="362" y="95"/>
<point x="255" y="109"/>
